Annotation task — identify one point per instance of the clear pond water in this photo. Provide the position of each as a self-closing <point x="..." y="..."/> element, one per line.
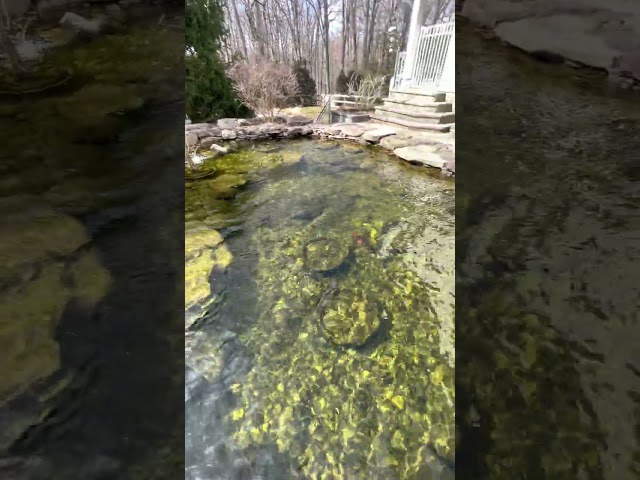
<point x="88" y="172"/>
<point x="547" y="215"/>
<point x="320" y="333"/>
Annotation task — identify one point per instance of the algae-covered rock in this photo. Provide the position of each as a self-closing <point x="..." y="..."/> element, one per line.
<point x="195" y="242"/>
<point x="93" y="102"/>
<point x="36" y="252"/>
<point x="28" y="318"/>
<point x="91" y="280"/>
<point x="226" y="185"/>
<point x="204" y="251"/>
<point x="350" y="319"/>
<point x="367" y="164"/>
<point x="290" y="158"/>
<point x="35" y="236"/>
<point x="324" y="254"/>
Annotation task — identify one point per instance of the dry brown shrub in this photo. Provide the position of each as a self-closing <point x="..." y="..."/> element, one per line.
<point x="263" y="86"/>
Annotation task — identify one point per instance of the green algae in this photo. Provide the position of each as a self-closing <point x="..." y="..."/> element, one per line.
<point x="39" y="249"/>
<point x="204" y="251"/>
<point x="324" y="254"/>
<point x="348" y="379"/>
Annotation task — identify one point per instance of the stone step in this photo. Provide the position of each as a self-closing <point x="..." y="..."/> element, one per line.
<point x="423" y="97"/>
<point x="419" y="105"/>
<point x="436" y="127"/>
<point x="415" y="116"/>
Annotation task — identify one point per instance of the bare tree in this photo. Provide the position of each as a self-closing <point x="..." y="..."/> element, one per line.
<point x="287" y="31"/>
<point x="264" y="86"/>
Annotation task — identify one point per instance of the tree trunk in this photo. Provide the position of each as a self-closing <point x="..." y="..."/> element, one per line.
<point x="344" y="36"/>
<point x="325" y="20"/>
<point x="354" y="34"/>
<point x="243" y="41"/>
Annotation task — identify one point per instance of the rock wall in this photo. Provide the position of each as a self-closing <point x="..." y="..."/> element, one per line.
<point x="597" y="33"/>
<point x="418" y="148"/>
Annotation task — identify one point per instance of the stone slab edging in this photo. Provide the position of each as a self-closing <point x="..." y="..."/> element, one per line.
<point x="601" y="34"/>
<point x="435" y="150"/>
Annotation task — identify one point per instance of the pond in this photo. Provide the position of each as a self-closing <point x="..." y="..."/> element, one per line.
<point x="87" y="175"/>
<point x="320" y="299"/>
<point x="547" y="372"/>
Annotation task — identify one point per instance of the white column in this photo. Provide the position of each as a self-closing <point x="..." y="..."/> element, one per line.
<point x="448" y="79"/>
<point x="417" y="14"/>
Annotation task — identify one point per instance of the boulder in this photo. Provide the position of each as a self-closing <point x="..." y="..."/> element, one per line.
<point x="218" y="148"/>
<point x="228" y="123"/>
<point x="229" y="135"/>
<point x="77" y="23"/>
<point x="196" y="126"/>
<point x="226" y="186"/>
<point x="325" y="254"/>
<point x="207" y="142"/>
<point x="192" y="139"/>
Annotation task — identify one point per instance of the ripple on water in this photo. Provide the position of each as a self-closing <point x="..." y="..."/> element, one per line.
<point x="551" y="220"/>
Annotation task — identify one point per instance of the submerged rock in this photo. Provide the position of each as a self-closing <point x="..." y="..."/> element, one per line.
<point x="198" y="241"/>
<point x="350" y="319"/>
<point x="226" y="185"/>
<point x="78" y="23"/>
<point x="290" y="158"/>
<point x="204" y="251"/>
<point x="325" y="254"/>
<point x="92" y="105"/>
<point x="42" y="270"/>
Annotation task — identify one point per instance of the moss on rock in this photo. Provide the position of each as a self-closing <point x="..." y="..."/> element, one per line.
<point x="38" y="251"/>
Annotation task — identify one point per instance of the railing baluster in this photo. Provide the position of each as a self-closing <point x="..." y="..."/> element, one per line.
<point x="429" y="60"/>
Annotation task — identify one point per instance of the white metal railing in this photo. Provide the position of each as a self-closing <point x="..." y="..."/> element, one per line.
<point x="353" y="101"/>
<point x="397" y="73"/>
<point x="426" y="67"/>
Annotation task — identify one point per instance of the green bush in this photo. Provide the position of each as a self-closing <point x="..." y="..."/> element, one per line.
<point x="306" y="85"/>
<point x="209" y="93"/>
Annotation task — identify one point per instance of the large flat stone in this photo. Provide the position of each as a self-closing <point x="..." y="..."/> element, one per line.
<point x="405" y="140"/>
<point x="197" y="126"/>
<point x="598" y="33"/>
<point x="421" y="154"/>
<point x="378" y="134"/>
<point x="352" y="131"/>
